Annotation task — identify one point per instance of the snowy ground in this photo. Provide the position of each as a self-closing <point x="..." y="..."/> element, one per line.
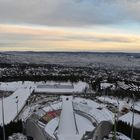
<point x="10" y="105"/>
<point x="13" y="86"/>
<point x="85" y="105"/>
<point x="90" y="107"/>
<point x="49" y="86"/>
<point x="54" y="87"/>
<point x="115" y="101"/>
<point x="86" y="125"/>
<point x="54" y="106"/>
<point x="121" y="104"/>
<point x="23" y="91"/>
<point x="94" y="109"/>
<point x="128" y="118"/>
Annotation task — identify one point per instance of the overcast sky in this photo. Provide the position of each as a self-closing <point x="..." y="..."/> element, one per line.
<point x="70" y="25"/>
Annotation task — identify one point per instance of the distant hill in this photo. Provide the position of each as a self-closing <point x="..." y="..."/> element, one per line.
<point x="73" y="58"/>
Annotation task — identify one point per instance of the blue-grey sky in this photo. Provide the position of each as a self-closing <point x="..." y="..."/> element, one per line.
<point x="75" y="25"/>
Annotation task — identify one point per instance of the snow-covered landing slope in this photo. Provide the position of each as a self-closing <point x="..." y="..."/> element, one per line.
<point x="10" y="106"/>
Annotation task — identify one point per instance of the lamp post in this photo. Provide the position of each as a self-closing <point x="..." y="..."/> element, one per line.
<point x="17" y="105"/>
<point x="116" y="118"/>
<point x="3" y="118"/>
<point x="114" y="137"/>
<point x="118" y="109"/>
<point x="132" y="129"/>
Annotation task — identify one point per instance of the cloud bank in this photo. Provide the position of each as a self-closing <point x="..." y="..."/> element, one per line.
<point x="69" y="12"/>
<point x="28" y="38"/>
<point x="51" y="25"/>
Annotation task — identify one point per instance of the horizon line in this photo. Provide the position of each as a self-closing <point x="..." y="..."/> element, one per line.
<point x="122" y="52"/>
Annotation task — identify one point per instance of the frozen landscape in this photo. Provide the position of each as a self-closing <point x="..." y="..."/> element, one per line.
<point x="22" y="91"/>
<point x="90" y="112"/>
<point x="69" y="69"/>
<point x="75" y="98"/>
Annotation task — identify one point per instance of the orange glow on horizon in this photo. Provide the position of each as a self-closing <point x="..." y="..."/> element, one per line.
<point x="30" y="38"/>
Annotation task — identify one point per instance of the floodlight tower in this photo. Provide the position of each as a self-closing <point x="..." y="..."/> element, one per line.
<point x="17" y="105"/>
<point x="3" y="118"/>
<point x="132" y="129"/>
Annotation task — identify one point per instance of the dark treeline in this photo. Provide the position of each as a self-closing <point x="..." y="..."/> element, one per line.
<point x="61" y="78"/>
<point x="121" y="93"/>
<point x="24" y="65"/>
<point x="42" y="72"/>
<point x="48" y="66"/>
<point x="12" y="127"/>
<point x="125" y="128"/>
